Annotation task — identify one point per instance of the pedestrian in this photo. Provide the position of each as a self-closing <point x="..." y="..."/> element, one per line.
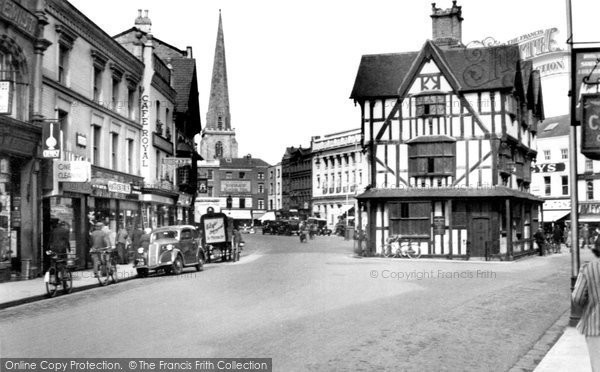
<point x="100" y="240"/>
<point x="567" y="237"/>
<point x="557" y="237"/>
<point x="587" y="295"/>
<point x="585" y="235"/>
<point x="122" y="236"/>
<point x="540" y="239"/>
<point x="145" y="238"/>
<point x="237" y="241"/>
<point x="59" y="240"/>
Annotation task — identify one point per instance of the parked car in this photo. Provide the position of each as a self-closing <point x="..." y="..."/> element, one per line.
<point x="270" y="227"/>
<point x="171" y="249"/>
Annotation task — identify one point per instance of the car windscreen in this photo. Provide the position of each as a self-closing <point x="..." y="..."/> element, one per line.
<point x="169" y="234"/>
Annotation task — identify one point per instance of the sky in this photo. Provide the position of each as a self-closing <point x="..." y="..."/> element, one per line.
<point x="291" y="64"/>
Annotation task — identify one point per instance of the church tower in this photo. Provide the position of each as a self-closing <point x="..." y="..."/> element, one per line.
<point x="218" y="138"/>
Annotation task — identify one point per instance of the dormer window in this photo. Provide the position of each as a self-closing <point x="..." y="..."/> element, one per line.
<point x="430" y="105"/>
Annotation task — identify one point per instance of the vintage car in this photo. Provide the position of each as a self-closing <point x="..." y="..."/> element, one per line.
<point x="171" y="249"/>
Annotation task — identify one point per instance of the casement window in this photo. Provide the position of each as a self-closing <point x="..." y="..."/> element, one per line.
<point x="547" y="186"/>
<point x="63" y="63"/>
<point x="431" y="159"/>
<point x="565" y="185"/>
<point x="430" y="105"/>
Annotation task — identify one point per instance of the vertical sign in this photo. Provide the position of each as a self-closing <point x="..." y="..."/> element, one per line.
<point x="6" y="90"/>
<point x="145" y="111"/>
<point x="590" y="126"/>
<point x="51" y="139"/>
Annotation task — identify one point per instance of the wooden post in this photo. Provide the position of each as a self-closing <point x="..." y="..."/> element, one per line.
<point x="449" y="213"/>
<point x="509" y="247"/>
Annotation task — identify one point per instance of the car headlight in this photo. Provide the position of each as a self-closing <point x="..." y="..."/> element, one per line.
<point x="140" y="250"/>
<point x="169" y="247"/>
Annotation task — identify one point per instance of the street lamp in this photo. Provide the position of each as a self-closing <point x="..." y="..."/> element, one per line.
<point x="229" y="202"/>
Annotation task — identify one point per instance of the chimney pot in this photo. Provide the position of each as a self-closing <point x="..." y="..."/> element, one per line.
<point x="139" y="13"/>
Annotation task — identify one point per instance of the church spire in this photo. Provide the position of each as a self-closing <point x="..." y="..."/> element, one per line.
<point x="218" y="116"/>
<point x="218" y="138"/>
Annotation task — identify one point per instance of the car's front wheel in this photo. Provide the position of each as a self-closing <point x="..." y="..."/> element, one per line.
<point x="142" y="273"/>
<point x="177" y="267"/>
<point x="200" y="265"/>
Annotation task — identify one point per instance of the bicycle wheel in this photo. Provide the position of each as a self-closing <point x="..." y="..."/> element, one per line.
<point x="67" y="281"/>
<point x="51" y="282"/>
<point x="103" y="273"/>
<point x="414" y="253"/>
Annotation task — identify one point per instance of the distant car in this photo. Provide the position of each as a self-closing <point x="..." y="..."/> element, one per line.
<point x="270" y="227"/>
<point x="324" y="230"/>
<point x="171" y="249"/>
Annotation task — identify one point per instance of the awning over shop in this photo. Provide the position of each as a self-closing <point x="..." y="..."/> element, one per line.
<point x="552" y="216"/>
<point x="269" y="216"/>
<point x="345" y="208"/>
<point x="589" y="218"/>
<point x="238" y="214"/>
<point x="258" y="214"/>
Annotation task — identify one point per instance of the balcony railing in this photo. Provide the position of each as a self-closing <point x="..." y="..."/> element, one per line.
<point x="324" y="190"/>
<point x="331" y="190"/>
<point x="345" y="189"/>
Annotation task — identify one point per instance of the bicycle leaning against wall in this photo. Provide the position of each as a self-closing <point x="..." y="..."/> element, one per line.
<point x="396" y="246"/>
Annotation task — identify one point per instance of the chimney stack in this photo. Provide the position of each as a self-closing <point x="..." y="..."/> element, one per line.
<point x="447" y="25"/>
<point x="188" y="52"/>
<point x="143" y="23"/>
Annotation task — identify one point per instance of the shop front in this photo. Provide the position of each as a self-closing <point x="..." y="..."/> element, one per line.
<point x="185" y="209"/>
<point x="159" y="207"/>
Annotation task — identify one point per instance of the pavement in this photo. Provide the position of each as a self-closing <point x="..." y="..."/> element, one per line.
<point x="23" y="291"/>
<point x="562" y="348"/>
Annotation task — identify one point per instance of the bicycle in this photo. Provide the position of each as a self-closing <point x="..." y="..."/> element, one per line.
<point x="398" y="247"/>
<point x="59" y="273"/>
<point x="107" y="268"/>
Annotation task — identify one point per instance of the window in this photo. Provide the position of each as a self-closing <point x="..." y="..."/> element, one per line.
<point x="589" y="165"/>
<point x="565" y="185"/>
<point x="270" y="175"/>
<point x="63" y="118"/>
<point x="63" y="63"/>
<point x="546" y="154"/>
<point x="158" y="175"/>
<point x="228" y="175"/>
<point x="115" y="94"/>
<point x="130" y="156"/>
<point x="318" y="182"/>
<point x="590" y="190"/>
<point x="242" y="203"/>
<point x="242" y="175"/>
<point x="97" y="84"/>
<point x="219" y="150"/>
<point x="271" y="188"/>
<point x="261" y="175"/>
<point x="270" y="204"/>
<point x="210" y="174"/>
<point x="131" y="103"/>
<point x="278" y="187"/>
<point x="410" y="218"/>
<point x="564" y="153"/>
<point x="261" y="204"/>
<point x="97" y="133"/>
<point x="547" y="186"/>
<point x="431" y="159"/>
<point x="261" y="188"/>
<point x="220" y="122"/>
<point x="431" y="105"/>
<point x="278" y="173"/>
<point x="430" y="165"/>
<point x="114" y="151"/>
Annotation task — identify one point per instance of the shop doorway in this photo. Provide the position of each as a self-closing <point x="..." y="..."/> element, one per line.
<point x="480" y="236"/>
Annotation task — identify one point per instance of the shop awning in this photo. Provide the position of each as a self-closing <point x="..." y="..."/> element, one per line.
<point x="589" y="218"/>
<point x="345" y="208"/>
<point x="551" y="216"/>
<point x="269" y="216"/>
<point x="238" y="214"/>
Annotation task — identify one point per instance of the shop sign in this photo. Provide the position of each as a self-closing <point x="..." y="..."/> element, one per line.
<point x="236" y="187"/>
<point x="145" y="116"/>
<point x="557" y="204"/>
<point x="137" y="190"/>
<point x="77" y="187"/>
<point x="6" y="93"/>
<point x="439" y="225"/>
<point x="119" y="187"/>
<point x="178" y="162"/>
<point x="590" y="126"/>
<point x="548" y="167"/>
<point x="184" y="200"/>
<point x="51" y="139"/>
<point x="81" y="139"/>
<point x="72" y="171"/>
<point x="589" y="208"/>
<point x="587" y="72"/>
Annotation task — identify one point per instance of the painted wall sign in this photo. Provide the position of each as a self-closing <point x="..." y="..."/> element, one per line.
<point x="549" y="168"/>
<point x="236" y="187"/>
<point x="145" y="115"/>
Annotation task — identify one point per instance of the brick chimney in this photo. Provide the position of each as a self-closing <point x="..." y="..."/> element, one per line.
<point x="446" y="25"/>
<point x="143" y="23"/>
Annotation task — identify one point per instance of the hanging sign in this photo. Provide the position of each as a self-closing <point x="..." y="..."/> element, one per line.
<point x="51" y="139"/>
<point x="590" y="126"/>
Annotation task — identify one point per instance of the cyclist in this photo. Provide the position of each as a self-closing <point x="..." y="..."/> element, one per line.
<point x="99" y="240"/>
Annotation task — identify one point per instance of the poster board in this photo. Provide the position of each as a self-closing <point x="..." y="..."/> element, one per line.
<point x="215" y="228"/>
